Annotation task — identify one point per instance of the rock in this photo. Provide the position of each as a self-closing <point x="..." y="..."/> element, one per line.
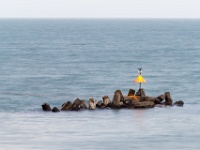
<point x="99" y="104"/>
<point x="75" y="107"/>
<point x="118" y="97"/>
<point x="92" y="104"/>
<point x="144" y="104"/>
<point x="83" y="104"/>
<point x="159" y="99"/>
<point x="123" y="105"/>
<point x="140" y="92"/>
<point x="148" y="98"/>
<point x="131" y="92"/>
<point x="110" y="105"/>
<point x="132" y="102"/>
<point x="46" y="107"/>
<point x="55" y="109"/>
<point x="178" y="103"/>
<point x="78" y="104"/>
<point x="106" y="100"/>
<point x="168" y="99"/>
<point x="102" y="106"/>
<point x="143" y="92"/>
<point x="66" y="106"/>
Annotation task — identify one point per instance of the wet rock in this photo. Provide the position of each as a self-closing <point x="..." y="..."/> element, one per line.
<point x="99" y="104"/>
<point x="83" y="104"/>
<point x="110" y="105"/>
<point x="178" y="103"/>
<point x="106" y="100"/>
<point x="46" y="107"/>
<point x="143" y="92"/>
<point x="144" y="104"/>
<point x="66" y="106"/>
<point x="123" y="105"/>
<point x="168" y="99"/>
<point x="148" y="98"/>
<point x="92" y="104"/>
<point x="132" y="102"/>
<point x="102" y="106"/>
<point x="159" y="99"/>
<point x="78" y="104"/>
<point x="140" y="92"/>
<point x="55" y="109"/>
<point x="75" y="107"/>
<point x="118" y="97"/>
<point x="131" y="92"/>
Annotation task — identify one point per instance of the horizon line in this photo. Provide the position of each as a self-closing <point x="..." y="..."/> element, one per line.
<point x="95" y="18"/>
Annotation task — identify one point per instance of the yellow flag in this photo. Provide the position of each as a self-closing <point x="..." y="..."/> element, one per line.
<point x="140" y="79"/>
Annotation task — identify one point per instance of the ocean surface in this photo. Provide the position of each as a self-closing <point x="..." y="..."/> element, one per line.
<point x="57" y="60"/>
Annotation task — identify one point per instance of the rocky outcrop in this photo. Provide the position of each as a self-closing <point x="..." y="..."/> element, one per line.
<point x="46" y="107"/>
<point x="55" y="109"/>
<point x="159" y="99"/>
<point x="119" y="101"/>
<point x="131" y="92"/>
<point x="168" y="99"/>
<point x="78" y="104"/>
<point x="92" y="104"/>
<point x="118" y="97"/>
<point x="106" y="100"/>
<point x="178" y="103"/>
<point x="144" y="104"/>
<point x="101" y="105"/>
<point x="66" y="106"/>
<point x="149" y="98"/>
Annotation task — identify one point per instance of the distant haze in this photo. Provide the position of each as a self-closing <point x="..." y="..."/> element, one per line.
<point x="99" y="8"/>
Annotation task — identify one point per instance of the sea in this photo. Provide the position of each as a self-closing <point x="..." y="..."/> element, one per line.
<point x="58" y="60"/>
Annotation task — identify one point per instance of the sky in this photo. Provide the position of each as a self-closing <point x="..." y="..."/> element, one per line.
<point x="99" y="8"/>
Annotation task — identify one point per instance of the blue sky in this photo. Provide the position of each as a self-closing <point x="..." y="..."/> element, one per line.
<point x="99" y="8"/>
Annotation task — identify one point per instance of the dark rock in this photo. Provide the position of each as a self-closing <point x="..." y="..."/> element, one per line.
<point x="178" y="103"/>
<point x="102" y="106"/>
<point x="92" y="104"/>
<point x="106" y="100"/>
<point x="78" y="104"/>
<point x="83" y="104"/>
<point x="159" y="99"/>
<point x="110" y="105"/>
<point x="131" y="92"/>
<point x="66" y="106"/>
<point x="168" y="99"/>
<point x="99" y="104"/>
<point x="144" y="104"/>
<point x="148" y="98"/>
<point x="143" y="92"/>
<point x="140" y="92"/>
<point x="123" y="105"/>
<point x="118" y="97"/>
<point x="46" y="107"/>
<point x="75" y="107"/>
<point x="55" y="109"/>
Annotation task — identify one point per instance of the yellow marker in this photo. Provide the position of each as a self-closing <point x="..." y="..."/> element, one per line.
<point x="140" y="78"/>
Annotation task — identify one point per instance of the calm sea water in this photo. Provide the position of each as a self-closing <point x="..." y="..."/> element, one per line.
<point x="59" y="60"/>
